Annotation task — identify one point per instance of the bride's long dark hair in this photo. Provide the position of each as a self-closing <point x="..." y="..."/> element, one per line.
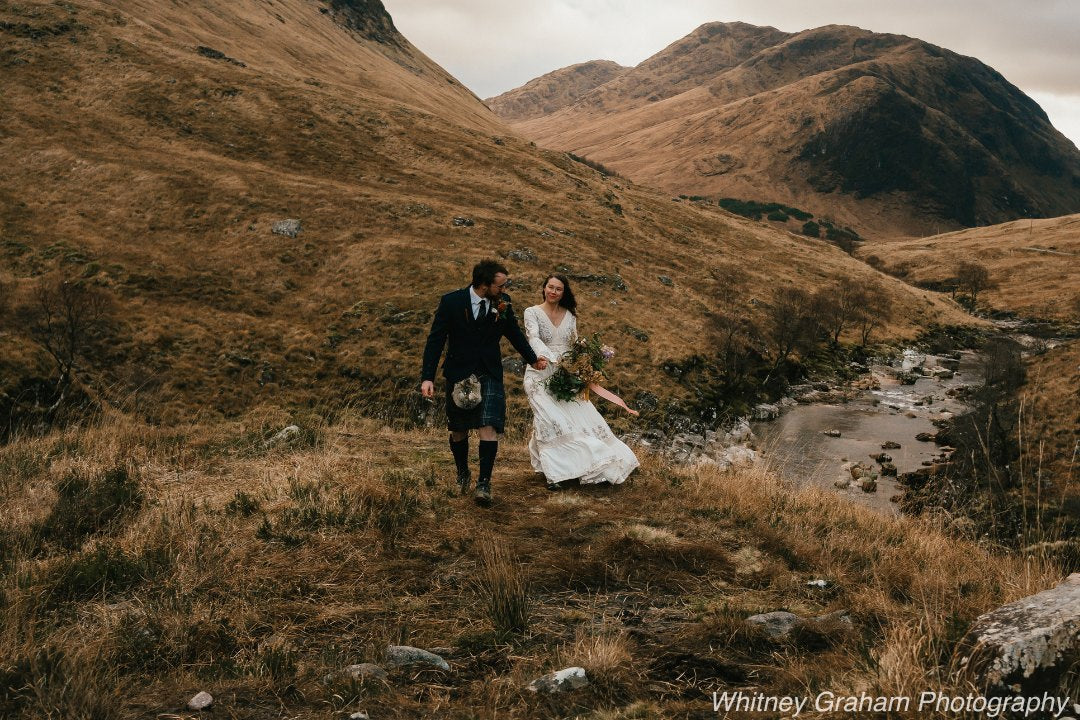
<point x="567" y="300"/>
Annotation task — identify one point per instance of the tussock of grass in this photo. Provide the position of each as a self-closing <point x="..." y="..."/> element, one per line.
<point x="257" y="576"/>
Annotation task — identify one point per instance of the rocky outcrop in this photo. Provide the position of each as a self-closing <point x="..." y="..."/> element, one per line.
<point x="1029" y="644"/>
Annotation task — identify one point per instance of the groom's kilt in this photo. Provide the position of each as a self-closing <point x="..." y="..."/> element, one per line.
<point x="491" y="410"/>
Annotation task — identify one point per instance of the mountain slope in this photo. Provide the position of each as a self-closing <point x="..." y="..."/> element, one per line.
<point x="149" y="150"/>
<point x="885" y="133"/>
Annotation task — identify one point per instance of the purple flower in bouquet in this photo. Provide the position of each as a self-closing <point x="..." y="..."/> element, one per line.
<point x="607" y="351"/>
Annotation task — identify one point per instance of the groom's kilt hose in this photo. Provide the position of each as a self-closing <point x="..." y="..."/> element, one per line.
<point x="491" y="410"/>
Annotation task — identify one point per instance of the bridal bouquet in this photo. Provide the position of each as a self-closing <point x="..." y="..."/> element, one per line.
<point x="579" y="368"/>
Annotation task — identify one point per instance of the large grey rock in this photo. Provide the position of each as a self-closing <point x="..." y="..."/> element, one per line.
<point x="288" y="228"/>
<point x="362" y="672"/>
<point x="1030" y="643"/>
<point x="564" y="680"/>
<point x="776" y="624"/>
<point x="397" y="655"/>
<point x="284" y="436"/>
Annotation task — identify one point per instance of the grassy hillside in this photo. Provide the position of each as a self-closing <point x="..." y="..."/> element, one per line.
<point x="153" y="171"/>
<point x="1033" y="264"/>
<point x="211" y="562"/>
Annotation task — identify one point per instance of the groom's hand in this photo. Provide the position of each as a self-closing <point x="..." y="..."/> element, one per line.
<point x="427" y="389"/>
<point x="540" y="364"/>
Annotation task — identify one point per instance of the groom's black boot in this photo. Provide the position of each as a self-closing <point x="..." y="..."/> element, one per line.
<point x="488" y="450"/>
<point x="460" y="449"/>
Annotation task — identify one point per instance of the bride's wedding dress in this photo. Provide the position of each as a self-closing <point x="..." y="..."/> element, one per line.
<point x="569" y="439"/>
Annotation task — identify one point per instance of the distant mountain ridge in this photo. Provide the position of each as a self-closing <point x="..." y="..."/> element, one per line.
<point x="887" y="133"/>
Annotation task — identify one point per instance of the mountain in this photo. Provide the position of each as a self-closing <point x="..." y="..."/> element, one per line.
<point x="555" y="90"/>
<point x="885" y="133"/>
<point x="150" y="148"/>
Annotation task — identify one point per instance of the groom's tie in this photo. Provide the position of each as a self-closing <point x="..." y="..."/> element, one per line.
<point x="482" y="313"/>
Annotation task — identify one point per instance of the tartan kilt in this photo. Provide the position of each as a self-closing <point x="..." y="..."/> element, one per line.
<point x="491" y="410"/>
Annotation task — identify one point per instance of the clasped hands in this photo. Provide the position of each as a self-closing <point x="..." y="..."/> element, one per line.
<point x="427" y="388"/>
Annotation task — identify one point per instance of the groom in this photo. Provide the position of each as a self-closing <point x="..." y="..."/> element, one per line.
<point x="474" y="320"/>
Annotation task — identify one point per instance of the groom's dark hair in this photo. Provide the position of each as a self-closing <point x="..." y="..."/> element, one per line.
<point x="484" y="272"/>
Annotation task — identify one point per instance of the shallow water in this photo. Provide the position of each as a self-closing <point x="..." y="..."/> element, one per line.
<point x="795" y="444"/>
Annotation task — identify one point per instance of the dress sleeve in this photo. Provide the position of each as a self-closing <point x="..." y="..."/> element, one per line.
<point x="573" y="328"/>
<point x="532" y="332"/>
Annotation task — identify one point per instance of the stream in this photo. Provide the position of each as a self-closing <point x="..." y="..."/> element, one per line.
<point x="796" y="444"/>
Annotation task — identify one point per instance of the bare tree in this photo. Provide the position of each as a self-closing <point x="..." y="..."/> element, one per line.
<point x="973" y="277"/>
<point x="836" y="307"/>
<point x="791" y="323"/>
<point x="874" y="309"/>
<point x="68" y="319"/>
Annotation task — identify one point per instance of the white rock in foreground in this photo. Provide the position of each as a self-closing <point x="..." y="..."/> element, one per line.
<point x="201" y="701"/>
<point x="1029" y="642"/>
<point x="564" y="680"/>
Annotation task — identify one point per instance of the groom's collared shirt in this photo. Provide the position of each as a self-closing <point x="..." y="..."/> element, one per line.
<point x="476" y="303"/>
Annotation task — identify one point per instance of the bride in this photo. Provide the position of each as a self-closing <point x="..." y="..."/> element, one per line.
<point x="569" y="439"/>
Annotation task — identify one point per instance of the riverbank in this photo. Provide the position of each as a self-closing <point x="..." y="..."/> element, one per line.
<point x="259" y="572"/>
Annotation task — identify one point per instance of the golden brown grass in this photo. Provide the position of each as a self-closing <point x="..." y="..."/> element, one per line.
<point x="1035" y="263"/>
<point x="156" y="173"/>
<point x="254" y="573"/>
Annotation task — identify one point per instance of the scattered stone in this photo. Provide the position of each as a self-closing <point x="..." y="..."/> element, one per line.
<point x="1030" y="643"/>
<point x="288" y="228"/>
<point x="818" y="584"/>
<point x="881" y="457"/>
<point x="765" y="411"/>
<point x="201" y="701"/>
<point x="887" y="468"/>
<point x="832" y="433"/>
<point x="944" y="373"/>
<point x="776" y="624"/>
<point x="284" y="436"/>
<point x="926" y="437"/>
<point x="565" y="680"/>
<point x="460" y="221"/>
<point x="842" y="482"/>
<point x="513" y="365"/>
<point x="398" y="655"/>
<point x="908" y="378"/>
<point x="868" y="484"/>
<point x="522" y="255"/>
<point x="361" y="715"/>
<point x="911" y="414"/>
<point x="665" y="280"/>
<point x="646" y="401"/>
<point x="213" y="54"/>
<point x="890" y="445"/>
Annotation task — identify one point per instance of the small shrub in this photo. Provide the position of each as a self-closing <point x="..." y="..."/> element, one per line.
<point x="811" y="229"/>
<point x="105" y="570"/>
<point x="777" y="216"/>
<point x="89" y="505"/>
<point x="242" y="504"/>
<point x="505" y="590"/>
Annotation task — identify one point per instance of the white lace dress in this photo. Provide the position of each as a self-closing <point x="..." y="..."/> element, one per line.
<point x="569" y="439"/>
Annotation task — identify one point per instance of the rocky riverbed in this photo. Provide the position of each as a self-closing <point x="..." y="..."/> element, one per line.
<point x="856" y="439"/>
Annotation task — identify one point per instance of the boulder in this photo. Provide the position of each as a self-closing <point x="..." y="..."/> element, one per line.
<point x="1030" y="643"/>
<point x="890" y="445"/>
<point x="461" y="221"/>
<point x="926" y="437"/>
<point x="868" y="484"/>
<point x="564" y="680"/>
<point x="765" y="411"/>
<point x="831" y="433"/>
<point x="776" y="624"/>
<point x="288" y="228"/>
<point x="398" y="655"/>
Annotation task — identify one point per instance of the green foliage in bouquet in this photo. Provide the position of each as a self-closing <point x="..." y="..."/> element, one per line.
<point x="579" y="367"/>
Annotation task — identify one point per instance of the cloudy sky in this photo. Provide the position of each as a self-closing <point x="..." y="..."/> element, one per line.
<point x="496" y="45"/>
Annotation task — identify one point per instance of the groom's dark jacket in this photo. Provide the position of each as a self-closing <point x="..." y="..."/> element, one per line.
<point x="473" y="344"/>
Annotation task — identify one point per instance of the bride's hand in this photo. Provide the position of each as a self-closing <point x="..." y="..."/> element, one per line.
<point x="540" y="364"/>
